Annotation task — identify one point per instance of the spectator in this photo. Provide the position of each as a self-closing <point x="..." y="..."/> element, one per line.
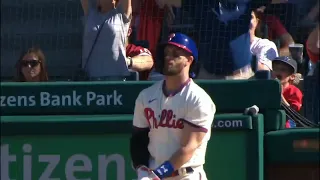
<point x="224" y="38"/>
<point x="31" y="66"/>
<point x="150" y="22"/>
<point x="264" y="50"/>
<point x="313" y="48"/>
<point x="313" y="14"/>
<point x="313" y="45"/>
<point x="139" y="59"/>
<point x="276" y="31"/>
<point x="297" y="79"/>
<point x="285" y="69"/>
<point x="136" y="7"/>
<point x="106" y="28"/>
<point x="312" y="83"/>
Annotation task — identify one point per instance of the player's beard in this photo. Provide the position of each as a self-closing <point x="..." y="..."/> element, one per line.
<point x="173" y="70"/>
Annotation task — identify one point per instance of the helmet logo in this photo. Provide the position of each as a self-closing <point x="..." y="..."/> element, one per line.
<point x="171" y="36"/>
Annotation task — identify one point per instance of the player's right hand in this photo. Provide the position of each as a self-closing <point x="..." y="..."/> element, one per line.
<point x="145" y="173"/>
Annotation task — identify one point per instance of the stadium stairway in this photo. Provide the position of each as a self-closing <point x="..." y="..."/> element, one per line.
<point x="53" y="25"/>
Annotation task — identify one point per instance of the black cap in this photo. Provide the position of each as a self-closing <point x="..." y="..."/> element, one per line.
<point x="287" y="60"/>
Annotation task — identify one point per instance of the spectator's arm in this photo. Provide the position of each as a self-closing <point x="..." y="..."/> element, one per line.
<point x="294" y="101"/>
<point x="313" y="44"/>
<point x="85" y="6"/>
<point x="143" y="61"/>
<point x="284" y="100"/>
<point x="280" y="33"/>
<point x="126" y="7"/>
<point x="314" y="13"/>
<point x="285" y="40"/>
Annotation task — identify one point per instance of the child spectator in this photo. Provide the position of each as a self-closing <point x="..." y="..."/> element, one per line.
<point x="31" y="66"/>
<point x="285" y="70"/>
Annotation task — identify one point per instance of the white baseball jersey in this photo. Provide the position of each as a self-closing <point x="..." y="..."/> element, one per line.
<point x="167" y="115"/>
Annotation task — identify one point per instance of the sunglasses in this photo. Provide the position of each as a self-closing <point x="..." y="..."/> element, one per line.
<point x="31" y="63"/>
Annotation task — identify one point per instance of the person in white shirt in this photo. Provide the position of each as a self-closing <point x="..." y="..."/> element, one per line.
<point x="263" y="49"/>
<point x="106" y="26"/>
<point x="172" y="118"/>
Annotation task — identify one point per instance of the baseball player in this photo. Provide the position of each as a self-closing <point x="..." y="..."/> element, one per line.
<point x="172" y="118"/>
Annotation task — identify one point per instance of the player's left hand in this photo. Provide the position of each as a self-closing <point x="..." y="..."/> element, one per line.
<point x="153" y="176"/>
<point x="144" y="173"/>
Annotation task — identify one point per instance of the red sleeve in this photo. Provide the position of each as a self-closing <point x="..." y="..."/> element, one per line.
<point x="294" y="97"/>
<point x="275" y="26"/>
<point x="133" y="50"/>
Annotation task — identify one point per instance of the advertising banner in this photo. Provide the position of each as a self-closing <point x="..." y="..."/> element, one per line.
<point x="66" y="158"/>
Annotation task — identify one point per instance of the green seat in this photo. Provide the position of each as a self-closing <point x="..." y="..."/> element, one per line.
<point x="274" y="120"/>
<point x="292" y="146"/>
<point x="236" y="150"/>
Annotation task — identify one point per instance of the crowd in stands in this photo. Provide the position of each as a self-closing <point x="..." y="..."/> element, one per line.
<point x="120" y="39"/>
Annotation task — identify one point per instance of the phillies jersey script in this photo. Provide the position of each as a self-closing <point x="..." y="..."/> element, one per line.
<point x="166" y="116"/>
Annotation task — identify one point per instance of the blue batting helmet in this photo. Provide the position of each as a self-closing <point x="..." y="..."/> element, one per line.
<point x="179" y="40"/>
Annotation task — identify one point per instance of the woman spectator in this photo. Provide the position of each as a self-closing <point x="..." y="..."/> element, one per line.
<point x="106" y="28"/>
<point x="263" y="49"/>
<point x="31" y="66"/>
